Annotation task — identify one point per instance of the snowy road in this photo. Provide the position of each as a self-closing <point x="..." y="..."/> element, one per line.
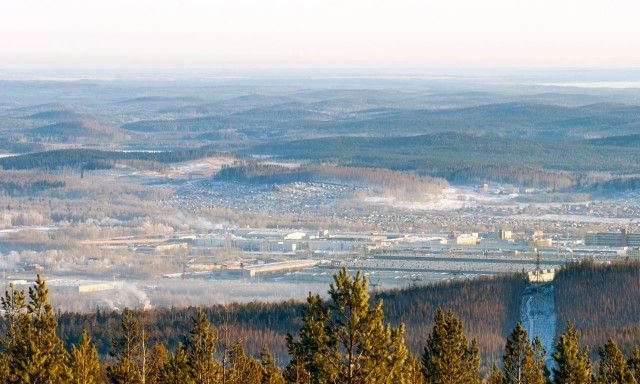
<point x="538" y="314"/>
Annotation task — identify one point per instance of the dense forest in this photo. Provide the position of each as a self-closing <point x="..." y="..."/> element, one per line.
<point x="23" y="183"/>
<point x="488" y="307"/>
<point x="602" y="301"/>
<point x="401" y="184"/>
<point x="343" y="338"/>
<point x="468" y="157"/>
<point x="96" y="159"/>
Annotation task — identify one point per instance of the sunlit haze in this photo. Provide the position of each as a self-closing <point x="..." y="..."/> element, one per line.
<point x="318" y="34"/>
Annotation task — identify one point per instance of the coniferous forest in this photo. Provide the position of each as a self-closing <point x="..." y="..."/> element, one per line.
<point x="458" y="332"/>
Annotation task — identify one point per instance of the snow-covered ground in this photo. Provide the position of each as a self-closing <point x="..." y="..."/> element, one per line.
<point x="449" y="199"/>
<point x="538" y="315"/>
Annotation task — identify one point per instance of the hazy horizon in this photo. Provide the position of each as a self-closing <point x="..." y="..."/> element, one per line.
<point x="249" y="34"/>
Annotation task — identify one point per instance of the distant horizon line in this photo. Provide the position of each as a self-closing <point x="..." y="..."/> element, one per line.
<point x="332" y="68"/>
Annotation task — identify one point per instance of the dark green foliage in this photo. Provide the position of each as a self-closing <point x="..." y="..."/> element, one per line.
<point x="270" y="371"/>
<point x="467" y="157"/>
<point x="128" y="352"/>
<point x="94" y="159"/>
<point x="83" y="362"/>
<point x="634" y="363"/>
<point x="448" y="358"/>
<point x="345" y="340"/>
<point x="263" y="174"/>
<point x="495" y="376"/>
<point x="412" y="371"/>
<point x="523" y="361"/>
<point x="158" y="358"/>
<point x="176" y="370"/>
<point x="613" y="368"/>
<point x="489" y="307"/>
<point x="201" y="348"/>
<point x="572" y="364"/>
<point x="618" y="141"/>
<point x="342" y="340"/>
<point x="34" y="353"/>
<point x="13" y="147"/>
<point x="244" y="369"/>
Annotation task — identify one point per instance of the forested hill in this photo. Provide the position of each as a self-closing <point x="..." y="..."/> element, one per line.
<point x="602" y="301"/>
<point x="487" y="308"/>
<point x="618" y="141"/>
<point x="456" y="150"/>
<point x="95" y="159"/>
<point x="465" y="157"/>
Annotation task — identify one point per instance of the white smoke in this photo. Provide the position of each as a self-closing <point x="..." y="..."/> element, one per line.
<point x="125" y="295"/>
<point x="143" y="299"/>
<point x="181" y="221"/>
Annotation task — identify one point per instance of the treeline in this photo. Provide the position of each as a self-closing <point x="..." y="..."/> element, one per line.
<point x="527" y="161"/>
<point x="16" y="183"/>
<point x="601" y="300"/>
<point x="342" y="339"/>
<point x="619" y="184"/>
<point x="96" y="159"/>
<point x="514" y="174"/>
<point x="260" y="173"/>
<point x="256" y="324"/>
<point x="618" y="141"/>
<point x="397" y="183"/>
<point x="489" y="308"/>
<point x="81" y="131"/>
<point x="17" y="147"/>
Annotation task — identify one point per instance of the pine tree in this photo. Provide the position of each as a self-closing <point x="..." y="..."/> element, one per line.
<point x="523" y="362"/>
<point x="4" y="368"/>
<point x="496" y="376"/>
<point x="412" y="371"/>
<point x="14" y="307"/>
<point x="634" y="363"/>
<point x="515" y="350"/>
<point x="201" y="349"/>
<point x="308" y="353"/>
<point x="296" y="372"/>
<point x="83" y="362"/>
<point x="270" y="371"/>
<point x="534" y="368"/>
<point x="613" y="367"/>
<point x="345" y="340"/>
<point x="572" y="366"/>
<point x="244" y="369"/>
<point x="177" y="371"/>
<point x="447" y="358"/>
<point x="37" y="354"/>
<point x="157" y="360"/>
<point x="127" y="351"/>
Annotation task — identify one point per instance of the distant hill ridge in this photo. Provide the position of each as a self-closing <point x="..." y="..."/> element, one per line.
<point x="79" y="131"/>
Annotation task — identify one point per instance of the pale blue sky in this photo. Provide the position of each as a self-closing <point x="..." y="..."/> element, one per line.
<point x="318" y="33"/>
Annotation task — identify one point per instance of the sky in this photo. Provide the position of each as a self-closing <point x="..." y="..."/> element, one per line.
<point x="131" y="34"/>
